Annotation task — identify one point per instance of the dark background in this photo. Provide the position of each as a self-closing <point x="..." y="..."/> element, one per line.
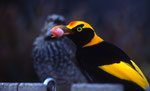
<point x="124" y="23"/>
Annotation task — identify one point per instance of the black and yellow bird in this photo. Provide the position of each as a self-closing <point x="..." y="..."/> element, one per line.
<point x="102" y="61"/>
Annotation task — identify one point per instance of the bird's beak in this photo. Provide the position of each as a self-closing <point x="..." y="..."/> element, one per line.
<point x="60" y="30"/>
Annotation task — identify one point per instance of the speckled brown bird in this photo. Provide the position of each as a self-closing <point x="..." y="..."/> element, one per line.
<point x="54" y="57"/>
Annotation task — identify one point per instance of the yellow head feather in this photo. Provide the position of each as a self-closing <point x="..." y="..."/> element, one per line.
<point x="76" y="23"/>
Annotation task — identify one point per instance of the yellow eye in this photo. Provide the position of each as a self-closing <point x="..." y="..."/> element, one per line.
<point x="79" y="29"/>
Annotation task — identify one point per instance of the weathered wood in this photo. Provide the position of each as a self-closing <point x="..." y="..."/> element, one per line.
<point x="8" y="86"/>
<point x="31" y="87"/>
<point x="97" y="87"/>
<point x="75" y="87"/>
<point x="22" y="87"/>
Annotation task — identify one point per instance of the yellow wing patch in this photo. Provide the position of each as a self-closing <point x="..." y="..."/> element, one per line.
<point x="125" y="71"/>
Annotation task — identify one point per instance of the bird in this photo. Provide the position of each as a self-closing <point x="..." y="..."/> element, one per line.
<point x="100" y="60"/>
<point x="54" y="57"/>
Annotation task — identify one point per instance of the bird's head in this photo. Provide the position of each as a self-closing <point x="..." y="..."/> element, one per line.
<point x="81" y="33"/>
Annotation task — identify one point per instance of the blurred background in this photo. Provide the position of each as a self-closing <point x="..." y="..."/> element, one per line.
<point x="124" y="23"/>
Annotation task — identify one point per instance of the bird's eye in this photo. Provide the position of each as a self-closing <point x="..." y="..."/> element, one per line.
<point x="79" y="29"/>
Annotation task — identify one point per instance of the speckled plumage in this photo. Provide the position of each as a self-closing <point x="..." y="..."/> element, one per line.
<point x="53" y="57"/>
